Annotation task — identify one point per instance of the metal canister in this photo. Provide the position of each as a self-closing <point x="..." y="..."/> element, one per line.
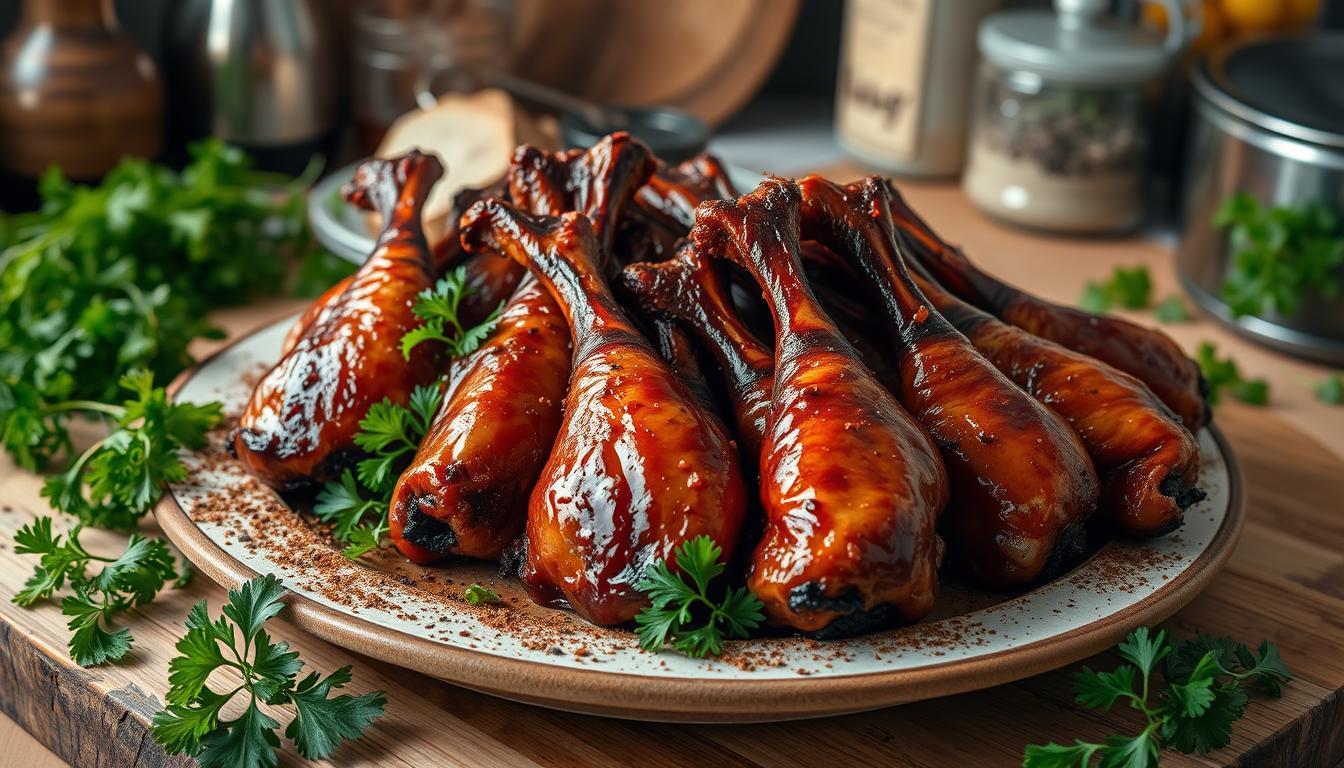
<point x="1269" y="122"/>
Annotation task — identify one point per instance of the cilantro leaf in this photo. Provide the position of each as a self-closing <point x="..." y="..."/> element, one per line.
<point x="1172" y="310"/>
<point x="1280" y="255"/>
<point x="675" y="605"/>
<point x="1330" y="390"/>
<point x="1223" y="374"/>
<point x="190" y="723"/>
<point x="1102" y="689"/>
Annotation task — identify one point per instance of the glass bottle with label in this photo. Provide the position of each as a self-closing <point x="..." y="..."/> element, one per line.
<point x="903" y="95"/>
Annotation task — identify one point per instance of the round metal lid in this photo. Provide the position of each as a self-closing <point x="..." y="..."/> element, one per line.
<point x="1080" y="45"/>
<point x="1290" y="86"/>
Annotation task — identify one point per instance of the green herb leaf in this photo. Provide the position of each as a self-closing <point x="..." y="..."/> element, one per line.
<point x="1222" y="374"/>
<point x="1128" y="287"/>
<point x="477" y="594"/>
<point x="1172" y="310"/>
<point x="1330" y="390"/>
<point x="1280" y="255"/>
<point x="437" y="309"/>
<point x="190" y="723"/>
<point x="675" y="606"/>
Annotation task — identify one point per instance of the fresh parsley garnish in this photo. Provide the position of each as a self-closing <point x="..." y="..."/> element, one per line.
<point x="266" y="671"/>
<point x="437" y="309"/>
<point x="1128" y="287"/>
<point x="1279" y="254"/>
<point x="1172" y="310"/>
<point x="119" y="478"/>
<point x="1192" y="712"/>
<point x="124" y="582"/>
<point x="1330" y="390"/>
<point x="390" y="434"/>
<point x="1223" y="374"/>
<point x="477" y="594"/>
<point x="684" y="614"/>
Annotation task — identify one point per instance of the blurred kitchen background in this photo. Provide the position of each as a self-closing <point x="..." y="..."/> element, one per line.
<point x="1077" y="117"/>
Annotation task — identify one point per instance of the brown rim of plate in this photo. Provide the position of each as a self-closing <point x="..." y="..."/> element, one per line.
<point x="643" y="697"/>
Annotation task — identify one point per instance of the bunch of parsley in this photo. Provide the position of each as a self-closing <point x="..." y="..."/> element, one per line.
<point x="1279" y="254"/>
<point x="1192" y="712"/>
<point x="687" y="616"/>
<point x="118" y="276"/>
<point x="266" y="672"/>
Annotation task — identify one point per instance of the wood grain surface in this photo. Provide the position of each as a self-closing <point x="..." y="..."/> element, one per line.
<point x="1285" y="583"/>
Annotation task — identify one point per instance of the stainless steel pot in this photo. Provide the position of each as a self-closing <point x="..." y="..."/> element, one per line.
<point x="1269" y="121"/>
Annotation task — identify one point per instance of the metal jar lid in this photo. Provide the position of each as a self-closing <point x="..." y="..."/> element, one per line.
<point x="1077" y="44"/>
<point x="1289" y="87"/>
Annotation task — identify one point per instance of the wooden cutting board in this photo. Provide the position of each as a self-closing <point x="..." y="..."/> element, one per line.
<point x="1284" y="583"/>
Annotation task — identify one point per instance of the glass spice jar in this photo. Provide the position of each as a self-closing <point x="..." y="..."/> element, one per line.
<point x="1059" y="133"/>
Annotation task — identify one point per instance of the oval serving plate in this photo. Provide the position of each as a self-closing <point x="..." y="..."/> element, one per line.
<point x="233" y="527"/>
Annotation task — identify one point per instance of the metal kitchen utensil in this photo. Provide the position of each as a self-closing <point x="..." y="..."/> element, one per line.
<point x="1269" y="121"/>
<point x="672" y="134"/>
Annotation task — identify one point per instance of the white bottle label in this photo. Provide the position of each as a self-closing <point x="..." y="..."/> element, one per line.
<point x="880" y="98"/>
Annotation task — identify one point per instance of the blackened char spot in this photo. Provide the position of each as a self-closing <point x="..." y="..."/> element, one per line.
<point x="427" y="532"/>
<point x="1069" y="549"/>
<point x="1174" y="487"/>
<point x="855" y="619"/>
<point x="512" y="558"/>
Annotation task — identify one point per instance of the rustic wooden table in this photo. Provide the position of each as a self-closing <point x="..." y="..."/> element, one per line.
<point x="1285" y="583"/>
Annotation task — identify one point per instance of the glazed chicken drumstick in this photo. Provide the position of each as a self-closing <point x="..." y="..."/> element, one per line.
<point x="465" y="492"/>
<point x="851" y="487"/>
<point x="1148" y="355"/>
<point x="638" y="467"/>
<point x="299" y="426"/>
<point x="1148" y="461"/>
<point x="689" y="289"/>
<point x="1022" y="483"/>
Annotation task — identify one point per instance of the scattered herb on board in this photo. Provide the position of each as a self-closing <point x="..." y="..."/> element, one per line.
<point x="124" y="582"/>
<point x="1190" y="710"/>
<point x="1127" y="287"/>
<point x="1172" y="310"/>
<point x="119" y="478"/>
<point x="266" y="671"/>
<point x="390" y="434"/>
<point x="685" y="615"/>
<point x="1330" y="390"/>
<point x="1222" y="374"/>
<point x="437" y="309"/>
<point x="1279" y="254"/>
<point x="477" y="595"/>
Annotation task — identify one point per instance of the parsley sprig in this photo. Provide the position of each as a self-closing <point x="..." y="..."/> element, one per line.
<point x="390" y="434"/>
<point x="1193" y="712"/>
<point x="1330" y="390"/>
<point x="119" y="478"/>
<point x="1222" y="373"/>
<point x="437" y="308"/>
<point x="1127" y="287"/>
<point x="684" y="614"/>
<point x="268" y="672"/>
<point x="124" y="582"/>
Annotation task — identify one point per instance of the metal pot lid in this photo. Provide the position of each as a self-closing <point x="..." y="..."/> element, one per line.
<point x="1077" y="44"/>
<point x="1290" y="86"/>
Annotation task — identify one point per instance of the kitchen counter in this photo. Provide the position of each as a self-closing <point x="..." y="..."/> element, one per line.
<point x="1283" y="583"/>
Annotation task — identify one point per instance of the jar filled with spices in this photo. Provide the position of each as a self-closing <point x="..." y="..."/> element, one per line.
<point x="1060" y="130"/>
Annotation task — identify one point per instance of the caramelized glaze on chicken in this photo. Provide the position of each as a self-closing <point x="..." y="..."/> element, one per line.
<point x="639" y="467"/>
<point x="1147" y="354"/>
<point x="466" y="491"/>
<point x="298" y="427"/>
<point x="1022" y="483"/>
<point x="851" y="486"/>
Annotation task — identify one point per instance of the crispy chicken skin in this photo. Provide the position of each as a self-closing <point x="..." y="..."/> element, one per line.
<point x="465" y="493"/>
<point x="639" y="467"/>
<point x="298" y="427"/>
<point x="851" y="486"/>
<point x="1146" y="354"/>
<point x="1022" y="483"/>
